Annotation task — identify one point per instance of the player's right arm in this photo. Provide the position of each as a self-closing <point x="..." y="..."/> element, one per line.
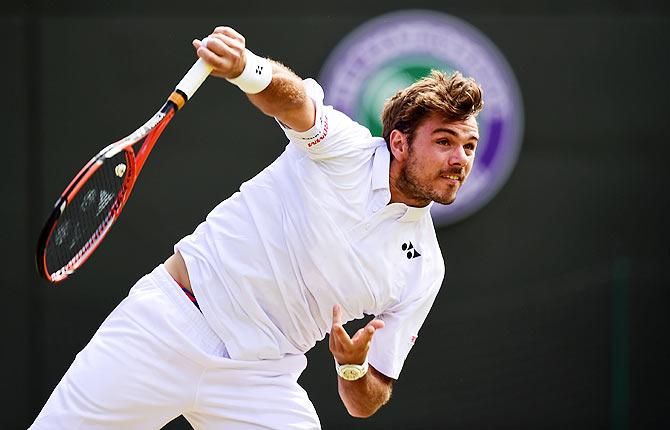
<point x="284" y="99"/>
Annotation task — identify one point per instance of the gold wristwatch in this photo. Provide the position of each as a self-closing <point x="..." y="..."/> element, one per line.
<point x="351" y="372"/>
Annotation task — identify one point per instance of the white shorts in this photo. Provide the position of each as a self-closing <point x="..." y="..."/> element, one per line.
<point x="155" y="358"/>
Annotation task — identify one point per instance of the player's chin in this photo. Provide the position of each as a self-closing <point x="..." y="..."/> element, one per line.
<point x="445" y="201"/>
<point x="445" y="198"/>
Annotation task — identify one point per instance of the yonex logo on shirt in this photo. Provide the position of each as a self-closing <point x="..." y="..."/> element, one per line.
<point x="259" y="70"/>
<point x="411" y="251"/>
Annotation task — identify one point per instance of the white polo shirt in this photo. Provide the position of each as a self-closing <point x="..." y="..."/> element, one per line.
<point x="313" y="229"/>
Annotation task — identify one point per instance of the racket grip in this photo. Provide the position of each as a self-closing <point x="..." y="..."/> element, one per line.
<point x="194" y="78"/>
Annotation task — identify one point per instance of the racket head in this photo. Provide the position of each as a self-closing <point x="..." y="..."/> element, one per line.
<point x="93" y="201"/>
<point x="84" y="213"/>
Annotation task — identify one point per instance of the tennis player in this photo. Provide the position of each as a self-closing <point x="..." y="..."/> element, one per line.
<point x="337" y="227"/>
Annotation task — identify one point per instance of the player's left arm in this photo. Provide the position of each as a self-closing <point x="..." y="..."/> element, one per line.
<point x="364" y="396"/>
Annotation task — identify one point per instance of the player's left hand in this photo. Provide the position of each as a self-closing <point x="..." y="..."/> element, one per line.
<point x="351" y="350"/>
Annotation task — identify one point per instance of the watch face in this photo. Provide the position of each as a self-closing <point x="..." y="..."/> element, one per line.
<point x="351" y="373"/>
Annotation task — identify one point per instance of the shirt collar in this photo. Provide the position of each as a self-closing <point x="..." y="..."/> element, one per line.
<point x="381" y="164"/>
<point x="380" y="168"/>
<point x="414" y="214"/>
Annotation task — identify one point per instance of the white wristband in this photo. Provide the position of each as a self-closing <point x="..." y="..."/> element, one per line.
<point x="256" y="76"/>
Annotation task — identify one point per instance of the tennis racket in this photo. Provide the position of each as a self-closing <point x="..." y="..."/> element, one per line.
<point x="89" y="206"/>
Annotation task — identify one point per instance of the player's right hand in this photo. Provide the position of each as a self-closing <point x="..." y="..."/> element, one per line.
<point x="351" y="350"/>
<point x="224" y="50"/>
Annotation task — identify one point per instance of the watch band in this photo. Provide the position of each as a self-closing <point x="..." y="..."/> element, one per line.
<point x="351" y="372"/>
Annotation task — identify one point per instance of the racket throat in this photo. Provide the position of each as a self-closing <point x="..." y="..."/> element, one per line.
<point x="178" y="98"/>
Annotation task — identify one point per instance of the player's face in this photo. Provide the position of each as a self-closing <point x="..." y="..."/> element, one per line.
<point x="439" y="160"/>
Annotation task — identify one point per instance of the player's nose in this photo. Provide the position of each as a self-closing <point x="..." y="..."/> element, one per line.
<point x="457" y="156"/>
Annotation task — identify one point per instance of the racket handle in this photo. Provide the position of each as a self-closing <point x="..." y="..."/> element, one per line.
<point x="194" y="78"/>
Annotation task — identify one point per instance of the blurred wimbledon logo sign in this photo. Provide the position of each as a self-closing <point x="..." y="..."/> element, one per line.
<point x="392" y="51"/>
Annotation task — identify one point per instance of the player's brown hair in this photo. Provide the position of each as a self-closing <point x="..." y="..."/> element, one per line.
<point x="454" y="97"/>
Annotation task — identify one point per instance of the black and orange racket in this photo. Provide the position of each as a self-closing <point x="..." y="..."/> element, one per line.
<point x="89" y="206"/>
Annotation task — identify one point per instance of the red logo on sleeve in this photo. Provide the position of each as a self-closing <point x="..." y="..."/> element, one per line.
<point x="323" y="135"/>
<point x="412" y="339"/>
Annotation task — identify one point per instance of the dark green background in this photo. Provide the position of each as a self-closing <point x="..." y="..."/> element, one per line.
<point x="554" y="312"/>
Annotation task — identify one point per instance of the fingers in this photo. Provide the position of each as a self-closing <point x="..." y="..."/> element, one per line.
<point x="364" y="335"/>
<point x="338" y="335"/>
<point x="229" y="32"/>
<point x="337" y="314"/>
<point x="222" y="40"/>
<point x="222" y="44"/>
<point x="354" y="349"/>
<point x="376" y="323"/>
<point x="338" y="341"/>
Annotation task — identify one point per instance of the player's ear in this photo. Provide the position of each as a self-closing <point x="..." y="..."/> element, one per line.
<point x="399" y="145"/>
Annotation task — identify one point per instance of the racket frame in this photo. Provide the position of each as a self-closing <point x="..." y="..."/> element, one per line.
<point x="149" y="133"/>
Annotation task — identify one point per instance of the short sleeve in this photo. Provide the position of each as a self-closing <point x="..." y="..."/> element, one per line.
<point x="391" y="344"/>
<point x="334" y="134"/>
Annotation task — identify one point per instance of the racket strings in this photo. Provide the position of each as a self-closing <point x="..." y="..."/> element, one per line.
<point x="88" y="215"/>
